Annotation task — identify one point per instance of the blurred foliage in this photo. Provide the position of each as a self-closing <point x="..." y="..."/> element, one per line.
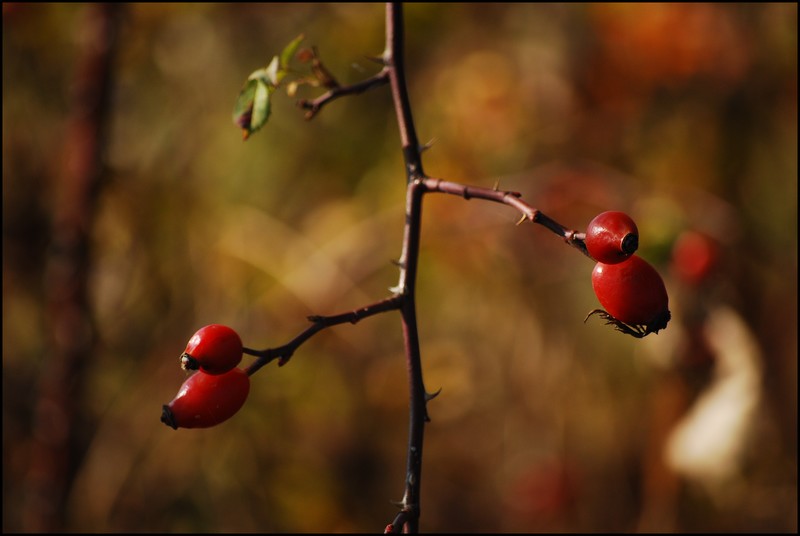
<point x="683" y="115"/>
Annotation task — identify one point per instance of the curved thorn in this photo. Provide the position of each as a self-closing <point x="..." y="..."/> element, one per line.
<point x="376" y="59"/>
<point x="397" y="290"/>
<point x="425" y="147"/>
<point x="431" y="396"/>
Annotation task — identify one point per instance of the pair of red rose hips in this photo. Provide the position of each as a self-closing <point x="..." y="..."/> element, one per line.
<point x="218" y="389"/>
<point x="631" y="290"/>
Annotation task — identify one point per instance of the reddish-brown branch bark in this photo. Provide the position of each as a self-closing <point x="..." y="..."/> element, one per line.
<point x="285" y="352"/>
<point x="512" y="199"/>
<point x="315" y="105"/>
<point x="404" y="300"/>
<point x="418" y="184"/>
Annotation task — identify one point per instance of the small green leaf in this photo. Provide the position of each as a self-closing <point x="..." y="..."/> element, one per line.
<point x="261" y="106"/>
<point x="243" y="108"/>
<point x="260" y="74"/>
<point x="252" y="107"/>
<point x="272" y="71"/>
<point x="289" y="51"/>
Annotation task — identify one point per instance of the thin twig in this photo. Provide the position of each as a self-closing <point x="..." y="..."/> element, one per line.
<point x="285" y="352"/>
<point x="513" y="199"/>
<point x="315" y="105"/>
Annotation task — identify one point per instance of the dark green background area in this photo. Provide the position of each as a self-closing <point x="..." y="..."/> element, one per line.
<point x="682" y="115"/>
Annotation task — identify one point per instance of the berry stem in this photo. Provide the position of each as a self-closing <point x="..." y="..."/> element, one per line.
<point x="512" y="199"/>
<point x="285" y="352"/>
<point x="315" y="105"/>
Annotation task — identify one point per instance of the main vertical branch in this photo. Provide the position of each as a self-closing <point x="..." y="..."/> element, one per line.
<point x="394" y="58"/>
<point x="408" y="519"/>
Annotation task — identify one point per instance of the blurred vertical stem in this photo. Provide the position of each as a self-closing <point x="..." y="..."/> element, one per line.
<point x="394" y="60"/>
<point x="60" y="428"/>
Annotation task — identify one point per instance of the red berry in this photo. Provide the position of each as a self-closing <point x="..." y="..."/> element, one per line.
<point x="694" y="257"/>
<point x="612" y="237"/>
<point x="214" y="349"/>
<point x="632" y="292"/>
<point x="205" y="400"/>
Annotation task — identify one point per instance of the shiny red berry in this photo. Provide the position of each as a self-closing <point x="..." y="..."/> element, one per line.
<point x="633" y="295"/>
<point x="205" y="400"/>
<point x="214" y="349"/>
<point x="612" y="237"/>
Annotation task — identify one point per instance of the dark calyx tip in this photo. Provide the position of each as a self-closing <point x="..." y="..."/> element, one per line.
<point x="168" y="418"/>
<point x="660" y="322"/>
<point x="630" y="243"/>
<point x="188" y="362"/>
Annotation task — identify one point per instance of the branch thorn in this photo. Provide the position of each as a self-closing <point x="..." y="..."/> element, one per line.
<point x="376" y="59"/>
<point x="431" y="396"/>
<point x="397" y="290"/>
<point x="425" y="147"/>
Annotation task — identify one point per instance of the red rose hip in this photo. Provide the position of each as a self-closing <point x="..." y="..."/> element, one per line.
<point x="612" y="237"/>
<point x="205" y="400"/>
<point x="632" y="292"/>
<point x="695" y="256"/>
<point x="214" y="349"/>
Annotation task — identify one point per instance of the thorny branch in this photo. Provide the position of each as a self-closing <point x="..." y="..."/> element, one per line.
<point x="285" y="352"/>
<point x="513" y="199"/>
<point x="418" y="184"/>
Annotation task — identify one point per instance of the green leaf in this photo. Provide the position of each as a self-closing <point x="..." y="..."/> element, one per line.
<point x="260" y="74"/>
<point x="289" y="51"/>
<point x="252" y="107"/>
<point x="243" y="109"/>
<point x="272" y="71"/>
<point x="261" y="106"/>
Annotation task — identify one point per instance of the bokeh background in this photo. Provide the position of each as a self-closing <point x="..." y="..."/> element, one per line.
<point x="133" y="214"/>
